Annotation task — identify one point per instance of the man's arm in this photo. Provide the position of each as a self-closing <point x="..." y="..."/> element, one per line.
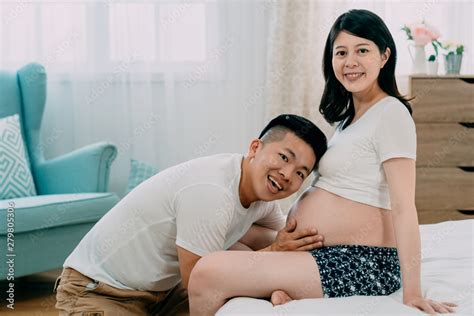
<point x="264" y="231"/>
<point x="240" y="246"/>
<point x="187" y="261"/>
<point x="257" y="237"/>
<point x="264" y="239"/>
<point x="273" y="219"/>
<point x="288" y="239"/>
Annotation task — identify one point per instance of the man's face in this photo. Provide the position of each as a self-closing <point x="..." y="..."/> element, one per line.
<point x="278" y="169"/>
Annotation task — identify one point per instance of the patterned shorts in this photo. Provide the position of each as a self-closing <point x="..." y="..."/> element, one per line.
<point x="358" y="270"/>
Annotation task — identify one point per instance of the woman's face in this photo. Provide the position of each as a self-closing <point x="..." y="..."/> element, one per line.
<point x="356" y="62"/>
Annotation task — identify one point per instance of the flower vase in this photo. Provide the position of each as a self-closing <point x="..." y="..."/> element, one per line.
<point x="418" y="59"/>
<point x="452" y="63"/>
<point x="432" y="68"/>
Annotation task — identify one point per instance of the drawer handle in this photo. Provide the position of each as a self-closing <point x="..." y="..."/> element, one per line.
<point x="467" y="169"/>
<point x="466" y="212"/>
<point x="467" y="124"/>
<point x="468" y="80"/>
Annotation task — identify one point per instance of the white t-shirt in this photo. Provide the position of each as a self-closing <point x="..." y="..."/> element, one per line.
<point x="194" y="205"/>
<point x="352" y="165"/>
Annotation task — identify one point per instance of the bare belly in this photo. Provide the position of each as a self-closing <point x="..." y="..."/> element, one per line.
<point x="342" y="221"/>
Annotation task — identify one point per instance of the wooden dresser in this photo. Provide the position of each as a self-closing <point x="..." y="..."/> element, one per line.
<point x="443" y="110"/>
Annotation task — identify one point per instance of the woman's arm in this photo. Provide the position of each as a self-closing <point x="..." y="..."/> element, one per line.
<point x="401" y="178"/>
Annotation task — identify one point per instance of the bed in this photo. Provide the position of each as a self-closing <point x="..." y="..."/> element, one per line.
<point x="447" y="274"/>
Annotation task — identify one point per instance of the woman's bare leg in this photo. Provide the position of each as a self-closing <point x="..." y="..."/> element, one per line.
<point x="222" y="275"/>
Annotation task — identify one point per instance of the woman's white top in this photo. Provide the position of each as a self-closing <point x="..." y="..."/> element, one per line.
<point x="352" y="166"/>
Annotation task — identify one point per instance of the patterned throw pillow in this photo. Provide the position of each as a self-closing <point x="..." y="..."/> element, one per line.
<point x="139" y="172"/>
<point x="15" y="175"/>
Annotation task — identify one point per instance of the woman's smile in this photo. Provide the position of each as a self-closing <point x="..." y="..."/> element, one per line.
<point x="353" y="76"/>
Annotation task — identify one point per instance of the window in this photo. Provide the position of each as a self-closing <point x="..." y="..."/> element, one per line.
<point x="132" y="31"/>
<point x="17" y="30"/>
<point x="100" y="35"/>
<point x="64" y="33"/>
<point x="182" y="32"/>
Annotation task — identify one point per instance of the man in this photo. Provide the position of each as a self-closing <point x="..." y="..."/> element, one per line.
<point x="138" y="258"/>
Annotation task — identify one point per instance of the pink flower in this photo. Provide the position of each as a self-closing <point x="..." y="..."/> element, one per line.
<point x="423" y="33"/>
<point x="435" y="34"/>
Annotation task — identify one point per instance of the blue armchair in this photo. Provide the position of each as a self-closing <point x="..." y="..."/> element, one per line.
<point x="71" y="189"/>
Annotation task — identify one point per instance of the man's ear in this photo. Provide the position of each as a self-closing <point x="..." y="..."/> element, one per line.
<point x="254" y="146"/>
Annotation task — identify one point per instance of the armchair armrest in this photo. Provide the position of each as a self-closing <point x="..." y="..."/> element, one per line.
<point x="83" y="170"/>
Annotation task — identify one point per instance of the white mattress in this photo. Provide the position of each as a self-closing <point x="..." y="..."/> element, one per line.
<point x="447" y="274"/>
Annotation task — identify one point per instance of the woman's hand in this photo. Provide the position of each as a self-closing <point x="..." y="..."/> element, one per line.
<point x="429" y="306"/>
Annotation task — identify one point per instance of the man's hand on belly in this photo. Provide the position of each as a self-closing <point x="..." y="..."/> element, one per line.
<point x="288" y="239"/>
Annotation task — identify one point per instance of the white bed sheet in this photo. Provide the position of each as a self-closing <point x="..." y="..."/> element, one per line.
<point x="447" y="274"/>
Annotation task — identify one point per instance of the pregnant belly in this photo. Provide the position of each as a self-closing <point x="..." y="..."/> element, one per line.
<point x="342" y="221"/>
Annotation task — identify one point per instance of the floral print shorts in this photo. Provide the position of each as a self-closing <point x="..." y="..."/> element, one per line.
<point x="349" y="270"/>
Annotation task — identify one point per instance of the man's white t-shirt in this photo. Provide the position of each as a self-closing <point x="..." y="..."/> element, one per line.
<point x="194" y="205"/>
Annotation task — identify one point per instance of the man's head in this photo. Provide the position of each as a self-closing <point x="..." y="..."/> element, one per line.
<point x="283" y="156"/>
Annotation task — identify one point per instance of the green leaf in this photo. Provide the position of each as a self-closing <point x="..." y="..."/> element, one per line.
<point x="408" y="32"/>
<point x="435" y="49"/>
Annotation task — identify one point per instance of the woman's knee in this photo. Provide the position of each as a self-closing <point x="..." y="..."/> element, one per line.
<point x="207" y="273"/>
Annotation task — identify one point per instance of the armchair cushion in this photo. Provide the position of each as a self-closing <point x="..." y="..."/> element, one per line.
<point x="15" y="175"/>
<point x="83" y="170"/>
<point x="48" y="211"/>
<point x="48" y="227"/>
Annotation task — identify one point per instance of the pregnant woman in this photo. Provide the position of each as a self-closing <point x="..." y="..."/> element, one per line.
<point x="363" y="200"/>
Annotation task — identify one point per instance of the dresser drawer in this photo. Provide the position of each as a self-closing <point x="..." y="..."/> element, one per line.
<point x="444" y="189"/>
<point x="444" y="145"/>
<point x="443" y="100"/>
<point x="431" y="217"/>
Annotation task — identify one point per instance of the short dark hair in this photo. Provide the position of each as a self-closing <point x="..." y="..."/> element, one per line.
<point x="301" y="127"/>
<point x="336" y="102"/>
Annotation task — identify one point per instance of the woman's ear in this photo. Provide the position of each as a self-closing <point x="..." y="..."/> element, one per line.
<point x="385" y="56"/>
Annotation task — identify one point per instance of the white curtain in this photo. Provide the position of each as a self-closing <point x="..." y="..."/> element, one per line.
<point x="166" y="81"/>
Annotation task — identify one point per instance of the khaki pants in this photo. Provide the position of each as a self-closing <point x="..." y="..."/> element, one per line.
<point x="77" y="294"/>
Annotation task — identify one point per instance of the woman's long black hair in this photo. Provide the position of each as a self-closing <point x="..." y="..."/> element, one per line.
<point x="336" y="102"/>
